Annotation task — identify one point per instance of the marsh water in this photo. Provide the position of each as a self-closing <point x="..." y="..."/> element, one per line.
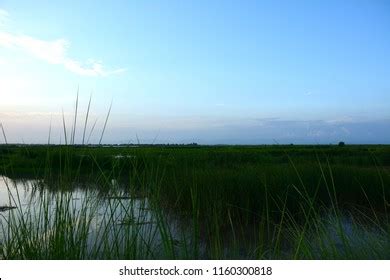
<point x="119" y="218"/>
<point x="113" y="216"/>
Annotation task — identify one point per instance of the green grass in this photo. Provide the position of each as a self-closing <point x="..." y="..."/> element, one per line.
<point x="267" y="202"/>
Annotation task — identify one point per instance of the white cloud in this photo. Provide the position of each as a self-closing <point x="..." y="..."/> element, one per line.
<point x="52" y="51"/>
<point x="3" y="17"/>
<point x="94" y="68"/>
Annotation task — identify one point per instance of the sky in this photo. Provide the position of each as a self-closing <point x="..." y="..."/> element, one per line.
<point x="211" y="72"/>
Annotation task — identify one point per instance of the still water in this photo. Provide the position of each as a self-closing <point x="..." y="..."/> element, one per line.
<point x="114" y="218"/>
<point x="120" y="222"/>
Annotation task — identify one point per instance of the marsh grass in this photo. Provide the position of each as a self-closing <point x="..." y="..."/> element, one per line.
<point x="201" y="219"/>
<point x="161" y="202"/>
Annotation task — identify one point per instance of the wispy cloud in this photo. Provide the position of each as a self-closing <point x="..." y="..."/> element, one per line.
<point x="52" y="51"/>
<point x="3" y="17"/>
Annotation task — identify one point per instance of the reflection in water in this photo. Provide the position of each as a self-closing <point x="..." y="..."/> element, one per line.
<point x="123" y="224"/>
<point x="113" y="218"/>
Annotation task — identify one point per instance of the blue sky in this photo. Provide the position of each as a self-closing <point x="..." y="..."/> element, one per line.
<point x="213" y="72"/>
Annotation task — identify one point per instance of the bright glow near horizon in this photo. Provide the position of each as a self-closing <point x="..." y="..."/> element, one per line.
<point x="212" y="72"/>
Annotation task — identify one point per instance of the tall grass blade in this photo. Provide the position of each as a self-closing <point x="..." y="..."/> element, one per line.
<point x="105" y="124"/>
<point x="75" y="119"/>
<point x="64" y="127"/>
<point x="86" y="118"/>
<point x="5" y="137"/>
